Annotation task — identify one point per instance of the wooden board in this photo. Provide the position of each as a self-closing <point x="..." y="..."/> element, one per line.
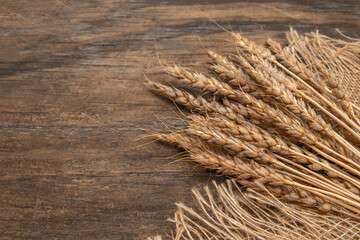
<point x="75" y="159"/>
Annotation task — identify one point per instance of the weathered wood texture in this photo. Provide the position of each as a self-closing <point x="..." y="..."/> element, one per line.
<point x="74" y="161"/>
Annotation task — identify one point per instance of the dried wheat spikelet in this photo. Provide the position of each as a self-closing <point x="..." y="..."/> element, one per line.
<point x="284" y="124"/>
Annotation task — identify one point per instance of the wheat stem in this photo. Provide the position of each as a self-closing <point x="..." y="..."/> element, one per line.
<point x="331" y="106"/>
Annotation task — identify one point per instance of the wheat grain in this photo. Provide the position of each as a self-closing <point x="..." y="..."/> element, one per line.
<point x="198" y="103"/>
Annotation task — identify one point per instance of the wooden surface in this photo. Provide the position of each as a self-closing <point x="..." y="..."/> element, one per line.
<point x="75" y="163"/>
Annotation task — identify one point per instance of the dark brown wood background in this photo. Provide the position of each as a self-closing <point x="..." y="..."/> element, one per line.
<point x="75" y="162"/>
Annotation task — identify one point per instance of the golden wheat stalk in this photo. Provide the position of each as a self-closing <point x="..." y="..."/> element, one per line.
<point x="282" y="125"/>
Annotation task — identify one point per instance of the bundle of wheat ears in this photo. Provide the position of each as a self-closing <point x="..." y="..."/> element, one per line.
<point x="280" y="124"/>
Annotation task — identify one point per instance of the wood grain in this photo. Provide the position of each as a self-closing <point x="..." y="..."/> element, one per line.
<point x="75" y="161"/>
